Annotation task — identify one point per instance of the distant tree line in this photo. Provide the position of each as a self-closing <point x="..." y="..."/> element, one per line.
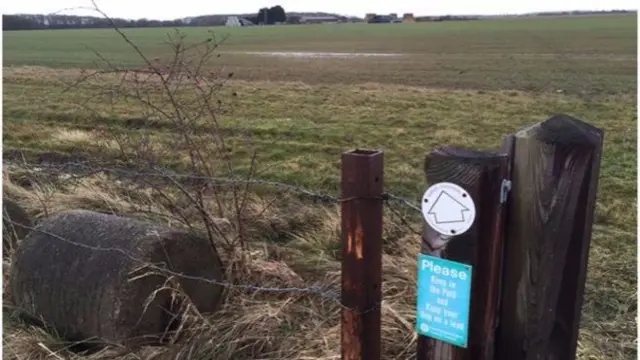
<point x="265" y="16"/>
<point x="583" y="12"/>
<point x="269" y="16"/>
<point x="35" y="22"/>
<point x="446" y="18"/>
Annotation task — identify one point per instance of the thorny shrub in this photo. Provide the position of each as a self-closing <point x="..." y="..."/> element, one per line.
<point x="183" y="95"/>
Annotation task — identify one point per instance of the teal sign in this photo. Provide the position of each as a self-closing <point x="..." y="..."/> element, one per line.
<point x="444" y="294"/>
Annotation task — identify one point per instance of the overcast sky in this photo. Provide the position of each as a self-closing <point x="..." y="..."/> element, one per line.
<point x="157" y="9"/>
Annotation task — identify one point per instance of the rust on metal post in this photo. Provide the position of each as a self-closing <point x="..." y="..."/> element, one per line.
<point x="482" y="175"/>
<point x="555" y="177"/>
<point x="361" y="212"/>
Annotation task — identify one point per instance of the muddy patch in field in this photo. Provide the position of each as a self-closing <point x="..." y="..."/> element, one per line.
<point x="317" y="55"/>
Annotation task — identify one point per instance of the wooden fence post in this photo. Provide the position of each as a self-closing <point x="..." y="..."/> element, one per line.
<point x="361" y="213"/>
<point x="482" y="176"/>
<point x="555" y="176"/>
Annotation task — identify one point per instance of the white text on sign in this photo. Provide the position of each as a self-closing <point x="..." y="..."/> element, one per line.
<point x="443" y="298"/>
<point x="438" y="269"/>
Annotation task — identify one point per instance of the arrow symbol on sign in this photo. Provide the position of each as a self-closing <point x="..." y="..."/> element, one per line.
<point x="446" y="209"/>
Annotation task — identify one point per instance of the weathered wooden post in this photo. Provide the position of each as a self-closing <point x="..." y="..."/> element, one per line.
<point x="555" y="176"/>
<point x="459" y="266"/>
<point x="361" y="213"/>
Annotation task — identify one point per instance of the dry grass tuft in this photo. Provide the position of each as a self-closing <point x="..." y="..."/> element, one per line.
<point x="72" y="136"/>
<point x="292" y="245"/>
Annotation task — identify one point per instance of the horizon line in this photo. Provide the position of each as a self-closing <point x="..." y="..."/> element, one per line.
<point x="59" y="13"/>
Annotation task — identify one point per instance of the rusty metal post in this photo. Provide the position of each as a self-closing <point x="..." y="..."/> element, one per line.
<point x="361" y="214"/>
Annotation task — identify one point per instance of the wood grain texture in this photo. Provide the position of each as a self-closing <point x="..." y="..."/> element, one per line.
<point x="550" y="214"/>
<point x="361" y="212"/>
<point x="480" y="174"/>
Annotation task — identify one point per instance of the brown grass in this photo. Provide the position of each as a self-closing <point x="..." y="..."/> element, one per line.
<point x="301" y="251"/>
<point x="297" y="127"/>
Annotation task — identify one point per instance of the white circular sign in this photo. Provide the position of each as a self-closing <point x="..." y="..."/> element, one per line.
<point x="448" y="208"/>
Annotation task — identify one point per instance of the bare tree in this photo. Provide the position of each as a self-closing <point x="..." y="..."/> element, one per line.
<point x="184" y="93"/>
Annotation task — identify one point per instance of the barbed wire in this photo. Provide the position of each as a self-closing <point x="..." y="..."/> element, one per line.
<point x="327" y="292"/>
<point x="403" y="220"/>
<point x="407" y="202"/>
<point x="76" y="170"/>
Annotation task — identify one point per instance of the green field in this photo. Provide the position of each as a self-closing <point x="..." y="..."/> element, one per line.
<point x="450" y="83"/>
<point x="582" y="54"/>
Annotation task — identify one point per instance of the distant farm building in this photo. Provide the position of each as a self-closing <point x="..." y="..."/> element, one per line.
<point x="408" y="18"/>
<point x="235" y="21"/>
<point x="319" y="19"/>
<point x="376" y="19"/>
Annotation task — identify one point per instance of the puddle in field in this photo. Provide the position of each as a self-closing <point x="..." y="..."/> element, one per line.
<point x="318" y="55"/>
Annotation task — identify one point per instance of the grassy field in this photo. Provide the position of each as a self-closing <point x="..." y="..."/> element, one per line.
<point x="581" y="54"/>
<point x="459" y="84"/>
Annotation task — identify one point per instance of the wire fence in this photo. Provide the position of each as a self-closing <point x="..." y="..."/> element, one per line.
<point x="326" y="292"/>
<point x="75" y="171"/>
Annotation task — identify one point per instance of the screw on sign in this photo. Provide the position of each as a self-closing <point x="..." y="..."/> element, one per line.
<point x="466" y="254"/>
<point x="444" y="286"/>
<point x="448" y="209"/>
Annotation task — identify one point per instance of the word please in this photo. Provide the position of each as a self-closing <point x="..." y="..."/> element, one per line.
<point x="443" y="270"/>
